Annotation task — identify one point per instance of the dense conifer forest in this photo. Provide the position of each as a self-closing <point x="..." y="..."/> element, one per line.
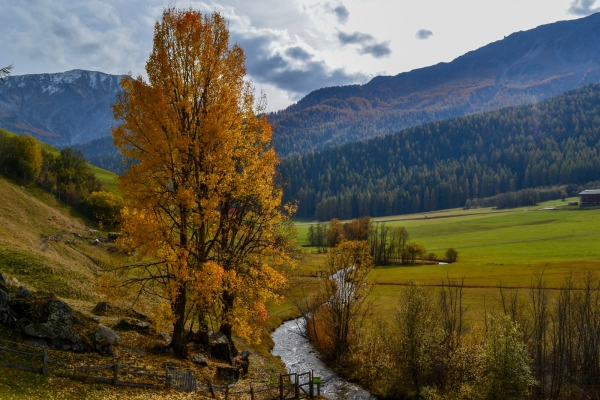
<point x="443" y="164"/>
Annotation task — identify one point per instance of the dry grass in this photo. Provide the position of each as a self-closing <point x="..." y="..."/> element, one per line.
<point x="47" y="246"/>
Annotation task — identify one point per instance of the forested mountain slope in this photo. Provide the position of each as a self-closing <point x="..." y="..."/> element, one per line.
<point x="442" y="164"/>
<point x="520" y="69"/>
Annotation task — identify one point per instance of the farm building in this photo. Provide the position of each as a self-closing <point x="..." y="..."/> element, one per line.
<point x="589" y="197"/>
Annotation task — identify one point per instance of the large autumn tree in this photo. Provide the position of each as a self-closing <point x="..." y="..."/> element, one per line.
<point x="203" y="212"/>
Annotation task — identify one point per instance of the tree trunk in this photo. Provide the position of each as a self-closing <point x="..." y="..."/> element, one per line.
<point x="178" y="342"/>
<point x="226" y="328"/>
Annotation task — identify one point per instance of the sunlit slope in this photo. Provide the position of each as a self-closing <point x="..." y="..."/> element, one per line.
<point x="45" y="246"/>
<point x="109" y="179"/>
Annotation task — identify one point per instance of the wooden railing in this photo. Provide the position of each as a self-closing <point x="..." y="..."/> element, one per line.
<point x="290" y="386"/>
<point x="43" y="358"/>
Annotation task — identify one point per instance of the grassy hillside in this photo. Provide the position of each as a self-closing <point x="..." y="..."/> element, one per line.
<point x="46" y="246"/>
<point x="109" y="179"/>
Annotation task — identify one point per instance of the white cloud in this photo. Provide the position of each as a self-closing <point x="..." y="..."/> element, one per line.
<point x="292" y="47"/>
<point x="423" y="34"/>
<point x="583" y="7"/>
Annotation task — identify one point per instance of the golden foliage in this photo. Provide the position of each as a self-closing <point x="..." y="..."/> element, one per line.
<point x="201" y="199"/>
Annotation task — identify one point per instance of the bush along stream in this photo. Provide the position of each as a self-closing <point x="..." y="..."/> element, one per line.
<point x="300" y="356"/>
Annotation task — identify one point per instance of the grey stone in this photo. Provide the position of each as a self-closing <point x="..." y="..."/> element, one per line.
<point x="104" y="340"/>
<point x="4" y="299"/>
<point x="46" y="317"/>
<point x="138" y="315"/>
<point x="23" y="292"/>
<point x="164" y="337"/>
<point x="242" y="361"/>
<point x="200" y="359"/>
<point x="228" y="374"/>
<point x="114" y="236"/>
<point x="37" y="342"/>
<point x="3" y="281"/>
<point x="102" y="308"/>
<point x="96" y="319"/>
<point x="219" y="347"/>
<point x="130" y="324"/>
<point x="4" y="309"/>
<point x="133" y="350"/>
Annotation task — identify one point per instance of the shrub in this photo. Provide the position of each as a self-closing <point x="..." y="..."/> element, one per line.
<point x="451" y="255"/>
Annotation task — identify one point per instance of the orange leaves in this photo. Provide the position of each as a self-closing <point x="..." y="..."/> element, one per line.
<point x="201" y="196"/>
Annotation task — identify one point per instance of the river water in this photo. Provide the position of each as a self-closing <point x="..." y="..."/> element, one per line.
<point x="300" y="356"/>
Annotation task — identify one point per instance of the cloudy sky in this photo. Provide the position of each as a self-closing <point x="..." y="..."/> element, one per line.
<point x="292" y="46"/>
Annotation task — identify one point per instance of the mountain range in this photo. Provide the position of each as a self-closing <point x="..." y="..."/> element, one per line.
<point x="521" y="68"/>
<point x="61" y="109"/>
<point x="73" y="108"/>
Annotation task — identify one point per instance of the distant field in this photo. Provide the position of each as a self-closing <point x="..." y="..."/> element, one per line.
<point x="496" y="247"/>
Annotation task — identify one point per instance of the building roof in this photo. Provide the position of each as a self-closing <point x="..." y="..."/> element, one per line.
<point x="592" y="191"/>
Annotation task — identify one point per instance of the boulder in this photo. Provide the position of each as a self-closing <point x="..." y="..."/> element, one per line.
<point x="219" y="347"/>
<point x="164" y="337"/>
<point x="37" y="342"/>
<point x="104" y="339"/>
<point x="242" y="361"/>
<point x="4" y="310"/>
<point x="228" y="374"/>
<point x="138" y="315"/>
<point x="4" y="299"/>
<point x="3" y="282"/>
<point x="46" y="317"/>
<point x="113" y="236"/>
<point x="102" y="308"/>
<point x="130" y="324"/>
<point x="23" y="292"/>
<point x="200" y="360"/>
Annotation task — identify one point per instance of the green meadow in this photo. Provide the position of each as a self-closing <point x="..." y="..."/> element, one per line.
<point x="496" y="248"/>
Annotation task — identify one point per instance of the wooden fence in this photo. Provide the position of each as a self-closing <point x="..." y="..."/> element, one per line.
<point x="43" y="357"/>
<point x="290" y="386"/>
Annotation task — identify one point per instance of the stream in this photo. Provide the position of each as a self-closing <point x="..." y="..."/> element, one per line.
<point x="299" y="356"/>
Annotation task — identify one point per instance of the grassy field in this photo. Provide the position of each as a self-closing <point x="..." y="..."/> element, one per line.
<point x="496" y="247"/>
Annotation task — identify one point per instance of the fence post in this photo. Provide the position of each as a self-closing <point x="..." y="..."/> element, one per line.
<point x="226" y="391"/>
<point x="281" y="387"/>
<point x="45" y="362"/>
<point x="251" y="392"/>
<point x="297" y="388"/>
<point x="116" y="374"/>
<point x="212" y="390"/>
<point x="311" y="388"/>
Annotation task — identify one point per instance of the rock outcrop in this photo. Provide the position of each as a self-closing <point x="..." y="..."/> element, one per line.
<point x="44" y="319"/>
<point x="220" y="348"/>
